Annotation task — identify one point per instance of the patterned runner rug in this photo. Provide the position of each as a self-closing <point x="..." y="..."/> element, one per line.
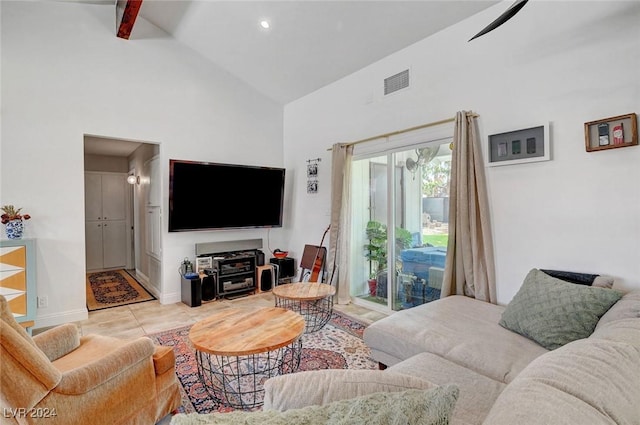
<point x="338" y="345"/>
<point x="114" y="288"/>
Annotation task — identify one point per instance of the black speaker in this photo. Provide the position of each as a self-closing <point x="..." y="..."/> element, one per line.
<point x="267" y="277"/>
<point x="286" y="266"/>
<point x="191" y="293"/>
<point x="209" y="286"/>
<point x="259" y="258"/>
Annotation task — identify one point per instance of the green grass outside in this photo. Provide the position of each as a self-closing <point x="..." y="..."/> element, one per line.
<point x="435" y="240"/>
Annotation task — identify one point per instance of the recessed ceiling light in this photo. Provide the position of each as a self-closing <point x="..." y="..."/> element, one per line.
<point x="265" y="24"/>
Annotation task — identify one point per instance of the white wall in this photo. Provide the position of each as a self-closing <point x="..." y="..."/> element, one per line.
<point x="66" y="74"/>
<point x="563" y="63"/>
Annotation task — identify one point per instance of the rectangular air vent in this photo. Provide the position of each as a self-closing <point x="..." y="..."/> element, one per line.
<point x="396" y="82"/>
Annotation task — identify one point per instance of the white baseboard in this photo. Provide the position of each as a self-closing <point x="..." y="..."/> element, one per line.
<point x="171" y="298"/>
<point x="144" y="279"/>
<point x="142" y="276"/>
<point x="55" y="319"/>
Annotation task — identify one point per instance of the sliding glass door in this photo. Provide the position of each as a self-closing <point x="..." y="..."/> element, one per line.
<point x="400" y="230"/>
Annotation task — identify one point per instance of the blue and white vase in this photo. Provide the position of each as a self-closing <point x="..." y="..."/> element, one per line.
<point x="14" y="229"/>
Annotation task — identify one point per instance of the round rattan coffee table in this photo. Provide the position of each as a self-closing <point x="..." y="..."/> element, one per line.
<point x="313" y="300"/>
<point x="237" y="350"/>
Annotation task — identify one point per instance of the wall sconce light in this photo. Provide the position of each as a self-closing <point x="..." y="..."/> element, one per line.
<point x="133" y="179"/>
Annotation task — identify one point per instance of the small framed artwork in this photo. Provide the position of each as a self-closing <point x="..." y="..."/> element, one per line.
<point x="529" y="144"/>
<point x="312" y="186"/>
<point x="610" y="133"/>
<point x="312" y="171"/>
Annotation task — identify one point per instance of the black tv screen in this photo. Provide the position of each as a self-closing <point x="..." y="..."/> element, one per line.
<point x="205" y="196"/>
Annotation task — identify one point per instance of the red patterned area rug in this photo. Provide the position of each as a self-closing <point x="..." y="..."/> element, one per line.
<point x="338" y="345"/>
<point x="114" y="288"/>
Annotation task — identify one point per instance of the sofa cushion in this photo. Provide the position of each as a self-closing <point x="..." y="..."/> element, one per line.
<point x="296" y="390"/>
<point x="626" y="308"/>
<point x="623" y="330"/>
<point x="417" y="407"/>
<point x="477" y="392"/>
<point x="553" y="312"/>
<point x="603" y="282"/>
<point x="457" y="328"/>
<point x="164" y="359"/>
<point x="589" y="381"/>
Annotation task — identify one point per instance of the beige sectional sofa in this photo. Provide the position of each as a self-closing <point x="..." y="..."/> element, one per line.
<point x="506" y="378"/>
<point x="503" y="378"/>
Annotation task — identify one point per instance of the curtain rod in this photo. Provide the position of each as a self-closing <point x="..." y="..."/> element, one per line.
<point x="406" y="130"/>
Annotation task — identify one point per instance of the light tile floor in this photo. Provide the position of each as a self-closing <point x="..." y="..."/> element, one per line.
<point x="134" y="320"/>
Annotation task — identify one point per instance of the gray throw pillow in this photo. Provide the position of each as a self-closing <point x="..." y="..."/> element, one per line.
<point x="410" y="407"/>
<point x="553" y="312"/>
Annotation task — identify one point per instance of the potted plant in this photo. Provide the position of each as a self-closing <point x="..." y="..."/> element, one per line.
<point x="376" y="252"/>
<point x="373" y="285"/>
<point x="403" y="239"/>
<point x="13" y="221"/>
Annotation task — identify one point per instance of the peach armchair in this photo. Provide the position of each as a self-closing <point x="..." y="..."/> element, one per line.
<point x="59" y="377"/>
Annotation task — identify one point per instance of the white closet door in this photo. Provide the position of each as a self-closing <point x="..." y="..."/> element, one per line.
<point x="154" y="232"/>
<point x="155" y="185"/>
<point x="114" y="239"/>
<point x="92" y="197"/>
<point x="114" y="197"/>
<point x="93" y="249"/>
<point x="105" y="226"/>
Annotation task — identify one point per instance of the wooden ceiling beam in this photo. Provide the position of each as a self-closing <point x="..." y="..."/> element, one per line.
<point x="126" y="14"/>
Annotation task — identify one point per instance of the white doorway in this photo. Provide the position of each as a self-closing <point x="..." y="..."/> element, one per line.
<point x="129" y="160"/>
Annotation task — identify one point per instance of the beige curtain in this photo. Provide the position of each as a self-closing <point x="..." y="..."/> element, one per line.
<point x="340" y="221"/>
<point x="469" y="268"/>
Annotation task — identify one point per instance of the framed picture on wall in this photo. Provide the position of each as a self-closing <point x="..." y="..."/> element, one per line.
<point x="610" y="133"/>
<point x="312" y="170"/>
<point x="528" y="144"/>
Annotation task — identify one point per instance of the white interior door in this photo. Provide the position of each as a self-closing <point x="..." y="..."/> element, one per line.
<point x="114" y="239"/>
<point x="92" y="197"/>
<point x="105" y="225"/>
<point x="114" y="197"/>
<point x="93" y="249"/>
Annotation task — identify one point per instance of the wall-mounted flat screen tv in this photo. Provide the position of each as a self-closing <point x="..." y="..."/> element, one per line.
<point x="207" y="196"/>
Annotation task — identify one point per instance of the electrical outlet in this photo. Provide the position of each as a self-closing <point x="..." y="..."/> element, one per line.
<point x="43" y="302"/>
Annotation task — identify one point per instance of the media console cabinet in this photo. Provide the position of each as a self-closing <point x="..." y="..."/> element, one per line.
<point x="233" y="268"/>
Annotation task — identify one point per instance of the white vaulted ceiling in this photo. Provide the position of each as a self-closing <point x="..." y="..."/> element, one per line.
<point x="309" y="43"/>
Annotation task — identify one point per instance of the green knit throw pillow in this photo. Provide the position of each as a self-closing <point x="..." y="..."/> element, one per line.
<point x="410" y="407"/>
<point x="553" y="312"/>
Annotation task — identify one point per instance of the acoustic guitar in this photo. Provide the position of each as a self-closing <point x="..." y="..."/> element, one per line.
<point x="319" y="260"/>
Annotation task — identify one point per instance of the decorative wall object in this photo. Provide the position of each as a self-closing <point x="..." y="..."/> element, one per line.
<point x="610" y="133"/>
<point x="312" y="175"/>
<point x="529" y="144"/>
